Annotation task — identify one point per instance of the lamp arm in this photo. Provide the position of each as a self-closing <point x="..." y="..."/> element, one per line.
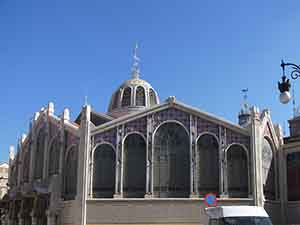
<point x="295" y="73"/>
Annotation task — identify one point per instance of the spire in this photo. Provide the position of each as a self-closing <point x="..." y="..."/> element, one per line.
<point x="135" y="66"/>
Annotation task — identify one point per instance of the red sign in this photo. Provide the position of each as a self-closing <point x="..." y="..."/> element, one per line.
<point x="210" y="200"/>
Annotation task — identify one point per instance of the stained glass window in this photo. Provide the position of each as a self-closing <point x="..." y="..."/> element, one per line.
<point x="171" y="161"/>
<point x="237" y="172"/>
<point x="208" y="164"/>
<point x="134" y="166"/>
<point x="104" y="172"/>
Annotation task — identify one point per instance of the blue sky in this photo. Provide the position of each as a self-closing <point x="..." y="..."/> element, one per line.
<point x="203" y="52"/>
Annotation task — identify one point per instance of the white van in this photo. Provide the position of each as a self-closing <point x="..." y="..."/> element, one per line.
<point x="237" y="215"/>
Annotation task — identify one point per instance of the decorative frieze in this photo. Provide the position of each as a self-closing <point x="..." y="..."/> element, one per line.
<point x="139" y="125"/>
<point x="207" y="126"/>
<point x="237" y="138"/>
<point x="171" y="114"/>
<point x="106" y="136"/>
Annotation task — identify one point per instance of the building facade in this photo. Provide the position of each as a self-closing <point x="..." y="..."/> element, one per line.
<point x="4" y="167"/>
<point x="149" y="162"/>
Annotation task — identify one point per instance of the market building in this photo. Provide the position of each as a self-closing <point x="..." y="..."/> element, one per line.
<point x="150" y="162"/>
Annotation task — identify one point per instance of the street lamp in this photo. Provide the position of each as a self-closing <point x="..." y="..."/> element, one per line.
<point x="284" y="85"/>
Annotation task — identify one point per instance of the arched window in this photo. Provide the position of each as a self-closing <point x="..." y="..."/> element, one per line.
<point x="26" y="164"/>
<point x="134" y="166"/>
<point x="268" y="170"/>
<point x="39" y="155"/>
<point x="71" y="174"/>
<point x="54" y="157"/>
<point x="152" y="95"/>
<point x="237" y="172"/>
<point x="104" y="172"/>
<point x="293" y="176"/>
<point x="171" y="161"/>
<point x="140" y="96"/>
<point x="208" y="164"/>
<point x="126" y="99"/>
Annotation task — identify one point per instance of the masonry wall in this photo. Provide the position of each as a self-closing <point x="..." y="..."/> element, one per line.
<point x="273" y="208"/>
<point x="151" y="211"/>
<point x="68" y="213"/>
<point x="293" y="212"/>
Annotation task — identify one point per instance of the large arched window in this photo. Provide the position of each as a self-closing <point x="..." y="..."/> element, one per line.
<point x="134" y="184"/>
<point x="126" y="99"/>
<point x="171" y="161"/>
<point x="26" y="165"/>
<point x="104" y="171"/>
<point x="54" y="157"/>
<point x="39" y="155"/>
<point x="268" y="170"/>
<point x="71" y="173"/>
<point x="293" y="176"/>
<point x="208" y="164"/>
<point x="140" y="96"/>
<point x="237" y="172"/>
<point x="152" y="96"/>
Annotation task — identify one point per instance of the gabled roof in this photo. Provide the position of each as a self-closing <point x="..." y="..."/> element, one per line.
<point x="168" y="104"/>
<point x="96" y="118"/>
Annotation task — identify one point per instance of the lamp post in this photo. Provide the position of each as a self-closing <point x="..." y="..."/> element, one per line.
<point x="284" y="85"/>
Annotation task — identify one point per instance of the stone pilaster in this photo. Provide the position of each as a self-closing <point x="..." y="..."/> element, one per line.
<point x="149" y="158"/>
<point x="91" y="170"/>
<point x="64" y="119"/>
<point x="50" y="217"/>
<point x="46" y="145"/>
<point x="120" y="160"/>
<point x="33" y="218"/>
<point x="223" y="163"/>
<point x="118" y="186"/>
<point x="19" y="163"/>
<point x="20" y="219"/>
<point x="256" y="156"/>
<point x="33" y="147"/>
<point x="283" y="184"/>
<point x="82" y="171"/>
<point x="193" y="180"/>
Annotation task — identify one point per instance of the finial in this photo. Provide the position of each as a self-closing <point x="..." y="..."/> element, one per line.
<point x="245" y="106"/>
<point x="11" y="152"/>
<point x="85" y="100"/>
<point x="135" y="66"/>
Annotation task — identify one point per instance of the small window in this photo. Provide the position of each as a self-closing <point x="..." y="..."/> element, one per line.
<point x="140" y="96"/>
<point x="152" y="97"/>
<point x="126" y="100"/>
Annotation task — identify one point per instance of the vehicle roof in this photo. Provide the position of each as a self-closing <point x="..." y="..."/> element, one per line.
<point x="235" y="211"/>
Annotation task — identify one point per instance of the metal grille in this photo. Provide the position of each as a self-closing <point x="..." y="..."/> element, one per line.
<point x="171" y="161"/>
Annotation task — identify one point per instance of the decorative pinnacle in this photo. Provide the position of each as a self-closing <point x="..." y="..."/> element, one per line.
<point x="245" y="107"/>
<point x="135" y="66"/>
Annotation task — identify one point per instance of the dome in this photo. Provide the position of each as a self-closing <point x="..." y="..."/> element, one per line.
<point x="132" y="96"/>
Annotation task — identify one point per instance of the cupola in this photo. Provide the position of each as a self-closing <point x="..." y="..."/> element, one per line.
<point x="133" y="95"/>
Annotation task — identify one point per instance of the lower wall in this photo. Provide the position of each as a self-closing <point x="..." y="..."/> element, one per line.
<point x="293" y="212"/>
<point x="152" y="211"/>
<point x="68" y="213"/>
<point x="273" y="208"/>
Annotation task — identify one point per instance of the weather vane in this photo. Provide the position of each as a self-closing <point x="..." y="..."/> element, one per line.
<point x="135" y="67"/>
